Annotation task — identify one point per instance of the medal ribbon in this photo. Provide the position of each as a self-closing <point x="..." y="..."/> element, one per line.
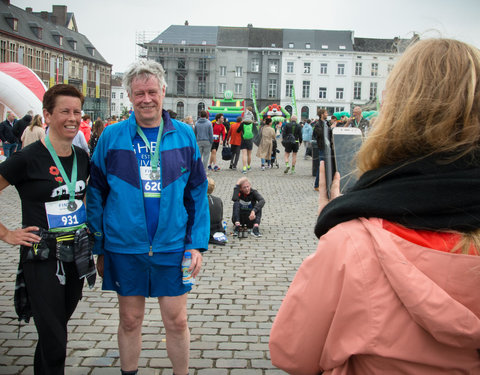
<point x="153" y="155"/>
<point x="70" y="183"/>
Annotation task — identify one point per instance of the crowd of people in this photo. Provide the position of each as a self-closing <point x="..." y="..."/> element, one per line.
<point x="392" y="286"/>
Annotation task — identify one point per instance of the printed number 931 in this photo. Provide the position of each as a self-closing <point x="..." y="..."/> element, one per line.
<point x="69" y="220"/>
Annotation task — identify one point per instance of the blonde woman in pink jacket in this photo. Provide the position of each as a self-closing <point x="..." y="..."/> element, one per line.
<point x="394" y="286"/>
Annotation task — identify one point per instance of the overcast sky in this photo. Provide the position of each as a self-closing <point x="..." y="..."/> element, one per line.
<point x="111" y="25"/>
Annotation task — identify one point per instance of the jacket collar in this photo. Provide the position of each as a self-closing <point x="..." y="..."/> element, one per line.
<point x="168" y="125"/>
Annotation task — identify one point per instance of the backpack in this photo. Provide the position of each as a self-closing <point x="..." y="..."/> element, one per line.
<point x="248" y="131"/>
<point x="289" y="139"/>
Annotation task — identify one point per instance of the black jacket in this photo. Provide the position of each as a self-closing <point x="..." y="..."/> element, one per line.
<point x="253" y="201"/>
<point x="6" y="132"/>
<point x="293" y="128"/>
<point x="20" y="125"/>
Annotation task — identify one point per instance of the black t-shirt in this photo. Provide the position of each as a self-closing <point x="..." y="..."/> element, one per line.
<point x="33" y="173"/>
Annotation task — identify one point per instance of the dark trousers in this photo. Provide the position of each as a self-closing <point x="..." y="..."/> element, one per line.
<point x="235" y="155"/>
<point x="320" y="158"/>
<point x="243" y="218"/>
<point x="52" y="306"/>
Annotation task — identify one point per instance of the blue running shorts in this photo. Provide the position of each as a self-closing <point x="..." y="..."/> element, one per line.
<point x="158" y="275"/>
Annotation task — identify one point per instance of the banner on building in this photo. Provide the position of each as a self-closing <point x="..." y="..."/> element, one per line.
<point x="97" y="83"/>
<point x="65" y="71"/>
<point x="52" y="71"/>
<point x="84" y="83"/>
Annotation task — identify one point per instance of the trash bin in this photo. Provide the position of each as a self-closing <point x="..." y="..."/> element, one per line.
<point x="315" y="158"/>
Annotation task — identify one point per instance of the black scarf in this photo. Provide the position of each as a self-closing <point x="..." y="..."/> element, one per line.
<point x="430" y="194"/>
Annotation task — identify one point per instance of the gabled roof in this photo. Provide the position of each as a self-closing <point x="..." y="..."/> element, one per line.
<point x="188" y="35"/>
<point x="27" y="22"/>
<point x="395" y="45"/>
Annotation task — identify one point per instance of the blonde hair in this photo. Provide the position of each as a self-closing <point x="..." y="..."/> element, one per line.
<point x="36" y="121"/>
<point x="431" y="105"/>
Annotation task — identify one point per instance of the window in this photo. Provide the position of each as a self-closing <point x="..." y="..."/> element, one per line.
<point x="200" y="108"/>
<point x="201" y="84"/>
<point x="223" y="71"/>
<point x="238" y="71"/>
<point x="3" y="51"/>
<point x="339" y="93"/>
<point x="306" y="89"/>
<point x="222" y="87"/>
<point x="323" y="68"/>
<point x="180" y="85"/>
<point x="255" y="65"/>
<point x="342" y="47"/>
<point x="373" y="90"/>
<point x="324" y="46"/>
<point x="291" y="45"/>
<point x="305" y="113"/>
<point x="322" y="92"/>
<point x="181" y="63"/>
<point x="121" y="95"/>
<point x="308" y="45"/>
<point x="114" y="94"/>
<point x="288" y="87"/>
<point x="180" y="110"/>
<point x="254" y="84"/>
<point x="357" y="90"/>
<point x="113" y="107"/>
<point x="272" y="88"/>
<point x="273" y="66"/>
<point x="341" y="69"/>
<point x="306" y="67"/>
<point x="238" y="88"/>
<point x="374" y="71"/>
<point x="289" y="66"/>
<point x="202" y="63"/>
<point x="358" y="69"/>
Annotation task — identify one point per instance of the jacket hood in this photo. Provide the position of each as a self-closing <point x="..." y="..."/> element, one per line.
<point x="440" y="290"/>
<point x="202" y="120"/>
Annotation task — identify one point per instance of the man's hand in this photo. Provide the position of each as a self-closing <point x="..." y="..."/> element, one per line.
<point x="252" y="215"/>
<point x="21" y="236"/>
<point x="100" y="265"/>
<point x="322" y="188"/>
<point x="196" y="262"/>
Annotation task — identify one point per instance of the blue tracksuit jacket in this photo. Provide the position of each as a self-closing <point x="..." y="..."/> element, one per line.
<point x="115" y="205"/>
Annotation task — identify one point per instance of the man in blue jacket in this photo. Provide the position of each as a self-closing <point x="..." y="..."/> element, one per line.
<point x="147" y="205"/>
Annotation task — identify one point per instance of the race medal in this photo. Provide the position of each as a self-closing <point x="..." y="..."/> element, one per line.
<point x="155" y="175"/>
<point x="72" y="206"/>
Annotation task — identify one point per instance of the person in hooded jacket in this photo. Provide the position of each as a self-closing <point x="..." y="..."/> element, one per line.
<point x="393" y="287"/>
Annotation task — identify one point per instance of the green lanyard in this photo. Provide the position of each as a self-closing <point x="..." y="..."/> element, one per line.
<point x="72" y="206"/>
<point x="154" y="175"/>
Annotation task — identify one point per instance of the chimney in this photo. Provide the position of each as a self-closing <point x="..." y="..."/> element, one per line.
<point x="6" y="2"/>
<point x="28" y="10"/>
<point x="44" y="15"/>
<point x="59" y="13"/>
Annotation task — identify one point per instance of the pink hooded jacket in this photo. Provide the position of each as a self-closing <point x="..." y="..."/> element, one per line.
<point x="370" y="302"/>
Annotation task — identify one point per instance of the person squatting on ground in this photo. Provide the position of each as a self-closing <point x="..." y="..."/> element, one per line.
<point x="248" y="130"/>
<point x="264" y="151"/>
<point x="235" y="140"/>
<point x="218" y="136"/>
<point x="204" y="134"/>
<point x="50" y="176"/>
<point x="291" y="140"/>
<point x="141" y="250"/>
<point x="393" y="286"/>
<point x="247" y="207"/>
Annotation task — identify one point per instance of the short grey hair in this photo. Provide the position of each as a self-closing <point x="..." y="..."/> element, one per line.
<point x="145" y="69"/>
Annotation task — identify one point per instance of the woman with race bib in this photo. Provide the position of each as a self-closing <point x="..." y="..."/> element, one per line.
<point x="50" y="176"/>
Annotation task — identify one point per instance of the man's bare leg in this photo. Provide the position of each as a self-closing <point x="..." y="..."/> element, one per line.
<point x="132" y="310"/>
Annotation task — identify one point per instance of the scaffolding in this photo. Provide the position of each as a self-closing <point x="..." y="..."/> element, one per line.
<point x="142" y="37"/>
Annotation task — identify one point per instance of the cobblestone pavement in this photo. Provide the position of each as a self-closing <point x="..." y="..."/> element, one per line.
<point x="231" y="309"/>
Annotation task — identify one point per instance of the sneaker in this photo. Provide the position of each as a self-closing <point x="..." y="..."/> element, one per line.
<point x="316" y="189"/>
<point x="248" y="168"/>
<point x="216" y="169"/>
<point x="244" y="170"/>
<point x="236" y="230"/>
<point x="293" y="170"/>
<point x="230" y="167"/>
<point x="263" y="167"/>
<point x="256" y="232"/>
<point x="209" y="167"/>
<point x="286" y="169"/>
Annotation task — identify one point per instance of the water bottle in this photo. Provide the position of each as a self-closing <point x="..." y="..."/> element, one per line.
<point x="224" y="226"/>
<point x="186" y="274"/>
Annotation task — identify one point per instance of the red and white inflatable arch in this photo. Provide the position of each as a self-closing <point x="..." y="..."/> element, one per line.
<point x="21" y="89"/>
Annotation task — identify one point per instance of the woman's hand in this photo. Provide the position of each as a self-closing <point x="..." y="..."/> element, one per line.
<point x="21" y="236"/>
<point x="322" y="188"/>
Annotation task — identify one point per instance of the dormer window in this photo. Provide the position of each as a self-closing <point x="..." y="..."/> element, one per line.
<point x="90" y="49"/>
<point x="324" y="46"/>
<point x="204" y="42"/>
<point x="308" y="45"/>
<point x="291" y="45"/>
<point x="36" y="29"/>
<point x="342" y="47"/>
<point x="12" y="21"/>
<point x="73" y="43"/>
<point x="58" y="37"/>
<point x="184" y="42"/>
